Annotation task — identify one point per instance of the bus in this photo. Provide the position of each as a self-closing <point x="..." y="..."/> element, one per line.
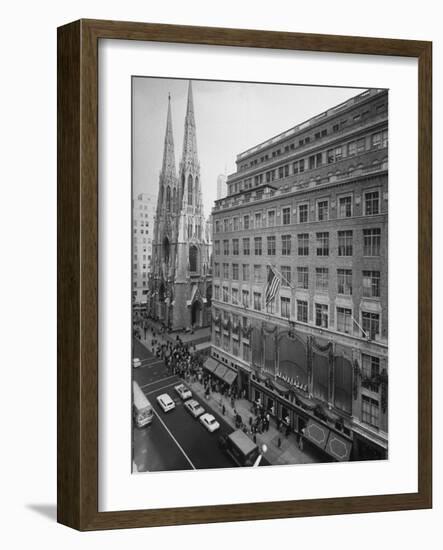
<point x="142" y="409"/>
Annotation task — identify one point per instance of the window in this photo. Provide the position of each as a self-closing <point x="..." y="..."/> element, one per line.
<point x="235" y="272"/>
<point x="345" y="243"/>
<point x="352" y="148"/>
<point x="295" y="167"/>
<point x="257" y="301"/>
<point x="246" y="352"/>
<point x="344" y="320"/>
<point x="280" y="172"/>
<point x="321" y="315"/>
<point x="301" y="165"/>
<point x="369" y="411"/>
<point x="245" y="222"/>
<point x="216" y="269"/>
<point x="322" y="244"/>
<point x="216" y="292"/>
<point x="371" y="284"/>
<point x="321" y="278"/>
<point x="257" y="246"/>
<point x="235" y="247"/>
<point x="217" y="248"/>
<point x="303" y="213"/>
<point x="376" y="140"/>
<point x="302" y="277"/>
<point x="234" y="296"/>
<point x="271" y="246"/>
<point x="345" y="207"/>
<point x="370" y="324"/>
<point x="225" y="271"/>
<point x="303" y="244"/>
<point x="271" y="218"/>
<point x="371" y="242"/>
<point x="245" y="298"/>
<point x="344" y="281"/>
<point x="225" y="225"/>
<point x="258" y="220"/>
<point x="225" y="294"/>
<point x="286" y="170"/>
<point x="246" y="250"/>
<point x="312" y="162"/>
<point x="286" y="216"/>
<point x="361" y="145"/>
<point x="384" y="138"/>
<point x="257" y="274"/>
<point x="286" y="245"/>
<point x="322" y="210"/>
<point x="302" y="311"/>
<point x="235" y="223"/>
<point x="285" y="307"/>
<point x="372" y="203"/>
<point x="371" y="369"/>
<point x="246" y="273"/>
<point x="286" y="275"/>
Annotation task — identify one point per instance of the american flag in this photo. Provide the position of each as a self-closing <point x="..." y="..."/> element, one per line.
<point x="272" y="285"/>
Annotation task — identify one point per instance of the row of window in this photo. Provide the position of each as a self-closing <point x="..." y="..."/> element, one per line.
<point x="371" y="244"/>
<point x="320" y="133"/>
<point x="345" y="207"/>
<point x="370" y="278"/>
<point x="379" y="140"/>
<point x="344" y="321"/>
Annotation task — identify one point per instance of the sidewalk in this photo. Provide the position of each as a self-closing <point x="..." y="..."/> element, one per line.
<point x="288" y="452"/>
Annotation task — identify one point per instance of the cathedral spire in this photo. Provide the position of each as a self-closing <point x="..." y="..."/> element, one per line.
<point x="190" y="140"/>
<point x="168" y="167"/>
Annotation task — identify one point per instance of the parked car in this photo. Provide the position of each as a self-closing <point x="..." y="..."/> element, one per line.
<point x="194" y="408"/>
<point x="165" y="402"/>
<point x="136" y="362"/>
<point x="184" y="392"/>
<point x="209" y="422"/>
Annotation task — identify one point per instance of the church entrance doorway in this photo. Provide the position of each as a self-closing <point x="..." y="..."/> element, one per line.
<point x="196" y="311"/>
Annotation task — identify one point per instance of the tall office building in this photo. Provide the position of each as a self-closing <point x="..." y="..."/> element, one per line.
<point x="143" y="230"/>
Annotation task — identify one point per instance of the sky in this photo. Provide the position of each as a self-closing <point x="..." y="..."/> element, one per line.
<point x="230" y="118"/>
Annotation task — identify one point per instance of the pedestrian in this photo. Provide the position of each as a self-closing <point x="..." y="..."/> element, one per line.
<point x="300" y="443"/>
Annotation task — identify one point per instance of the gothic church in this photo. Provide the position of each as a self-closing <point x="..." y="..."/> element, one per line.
<point x="180" y="282"/>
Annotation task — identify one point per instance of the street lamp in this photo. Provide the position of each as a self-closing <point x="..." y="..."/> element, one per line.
<point x="264" y="448"/>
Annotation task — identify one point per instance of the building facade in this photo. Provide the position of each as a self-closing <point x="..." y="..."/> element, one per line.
<point x="312" y="205"/>
<point x="180" y="279"/>
<point x="143" y="208"/>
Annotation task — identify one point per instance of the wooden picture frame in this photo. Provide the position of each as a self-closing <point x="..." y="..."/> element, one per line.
<point x="78" y="274"/>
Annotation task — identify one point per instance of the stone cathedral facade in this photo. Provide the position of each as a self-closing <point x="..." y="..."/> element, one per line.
<point x="180" y="281"/>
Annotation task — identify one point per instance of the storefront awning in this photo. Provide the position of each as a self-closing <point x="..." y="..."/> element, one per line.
<point x="210" y="364"/>
<point x="338" y="447"/>
<point x="220" y="371"/>
<point x="317" y="433"/>
<point x="230" y="377"/>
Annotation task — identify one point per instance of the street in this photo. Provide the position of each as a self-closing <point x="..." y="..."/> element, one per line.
<point x="174" y="440"/>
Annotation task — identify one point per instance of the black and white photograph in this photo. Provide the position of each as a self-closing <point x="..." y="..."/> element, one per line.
<point x="259" y="274"/>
